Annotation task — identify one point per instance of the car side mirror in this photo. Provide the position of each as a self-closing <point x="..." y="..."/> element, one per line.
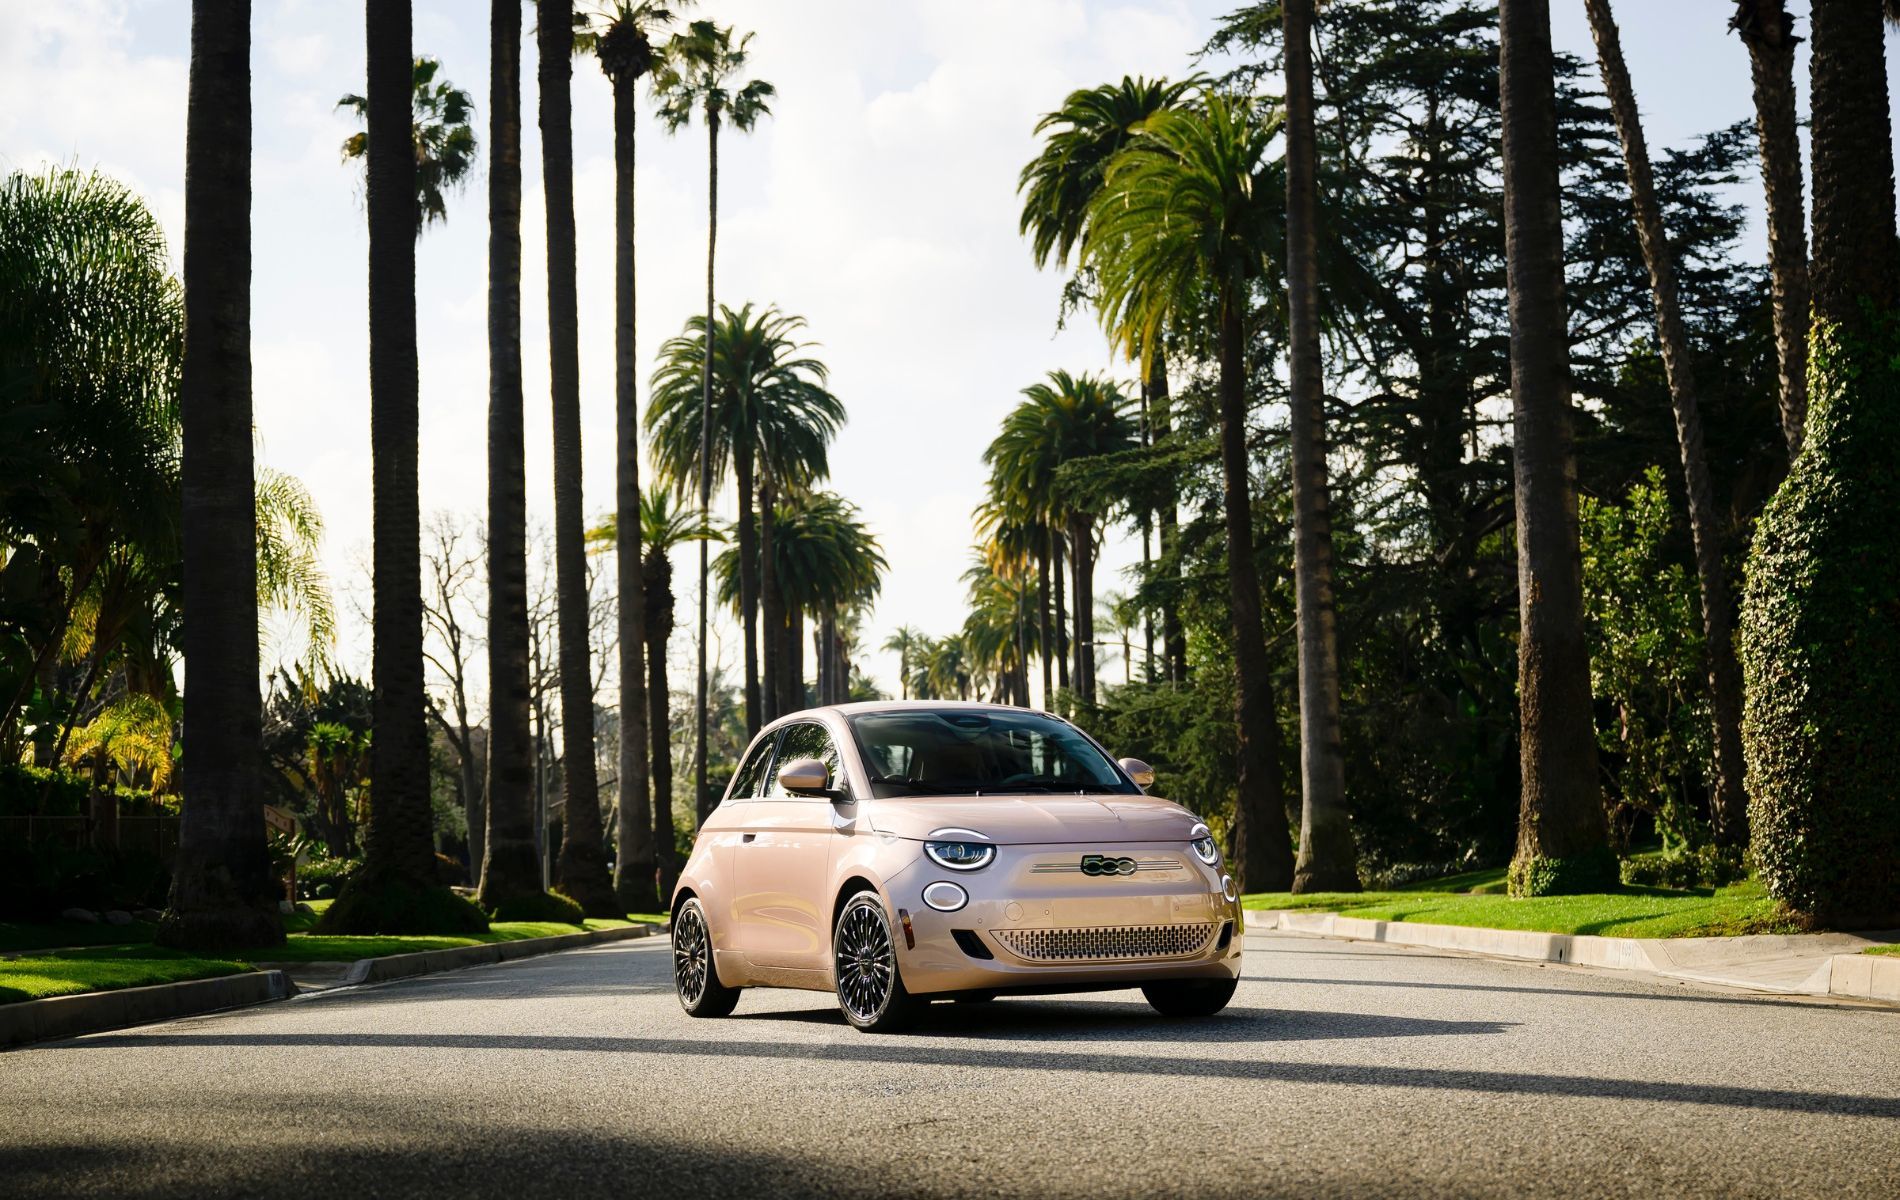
<point x="1140" y="772"/>
<point x="805" y="777"/>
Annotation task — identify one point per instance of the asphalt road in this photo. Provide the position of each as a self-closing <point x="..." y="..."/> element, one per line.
<point x="1340" y="1069"/>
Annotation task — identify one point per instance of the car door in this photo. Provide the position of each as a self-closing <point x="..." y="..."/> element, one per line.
<point x="783" y="861"/>
<point x="711" y="867"/>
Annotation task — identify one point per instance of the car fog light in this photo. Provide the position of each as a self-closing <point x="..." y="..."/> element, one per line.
<point x="945" y="897"/>
<point x="1227" y="888"/>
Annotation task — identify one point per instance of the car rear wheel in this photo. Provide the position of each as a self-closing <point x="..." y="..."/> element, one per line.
<point x="1190" y="997"/>
<point x="864" y="963"/>
<point x="694" y="975"/>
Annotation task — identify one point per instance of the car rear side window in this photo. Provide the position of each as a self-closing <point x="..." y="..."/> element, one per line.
<point x="753" y="773"/>
<point x="805" y="740"/>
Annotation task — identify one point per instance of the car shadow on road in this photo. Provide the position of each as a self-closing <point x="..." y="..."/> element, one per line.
<point x="1684" y="997"/>
<point x="920" y="1051"/>
<point x="1043" y="1020"/>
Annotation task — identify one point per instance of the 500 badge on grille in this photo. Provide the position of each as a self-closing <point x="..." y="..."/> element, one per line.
<point x="1103" y="864"/>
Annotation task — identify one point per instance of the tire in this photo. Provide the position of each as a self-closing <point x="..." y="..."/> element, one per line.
<point x="871" y="993"/>
<point x="695" y="978"/>
<point x="1190" y="997"/>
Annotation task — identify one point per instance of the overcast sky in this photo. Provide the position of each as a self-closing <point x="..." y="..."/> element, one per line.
<point x="878" y="202"/>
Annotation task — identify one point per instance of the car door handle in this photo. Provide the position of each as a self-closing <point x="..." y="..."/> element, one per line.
<point x="747" y="837"/>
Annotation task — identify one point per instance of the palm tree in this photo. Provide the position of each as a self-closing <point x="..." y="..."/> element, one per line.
<point x="1562" y="842"/>
<point x="1728" y="801"/>
<point x="700" y="73"/>
<point x="511" y="868"/>
<point x="664" y="524"/>
<point x="1328" y="860"/>
<point x="1058" y="187"/>
<point x="1014" y="534"/>
<point x="995" y="630"/>
<point x="771" y="421"/>
<point x="583" y="868"/>
<point x="1767" y="29"/>
<point x="1061" y="421"/>
<point x="396" y="891"/>
<point x="1818" y="634"/>
<point x="223" y="896"/>
<point x="625" y="48"/>
<point x="445" y="141"/>
<point x="904" y="644"/>
<point x="1187" y="208"/>
<point x="831" y="566"/>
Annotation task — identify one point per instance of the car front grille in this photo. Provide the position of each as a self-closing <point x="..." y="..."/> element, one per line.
<point x="1106" y="944"/>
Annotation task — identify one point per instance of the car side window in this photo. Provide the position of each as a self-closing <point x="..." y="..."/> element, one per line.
<point x="752" y="774"/>
<point x="806" y="740"/>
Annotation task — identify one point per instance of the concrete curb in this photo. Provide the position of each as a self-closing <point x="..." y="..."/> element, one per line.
<point x="1870" y="976"/>
<point x="427" y="962"/>
<point x="93" y="1012"/>
<point x="1808" y="964"/>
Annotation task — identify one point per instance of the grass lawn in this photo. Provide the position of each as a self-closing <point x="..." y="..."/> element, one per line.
<point x="56" y="935"/>
<point x="101" y="968"/>
<point x="1893" y="950"/>
<point x="135" y="962"/>
<point x="1626" y="912"/>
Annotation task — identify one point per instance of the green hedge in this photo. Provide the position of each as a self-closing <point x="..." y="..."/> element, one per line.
<point x="1820" y="641"/>
<point x="23" y="787"/>
<point x="1703" y="867"/>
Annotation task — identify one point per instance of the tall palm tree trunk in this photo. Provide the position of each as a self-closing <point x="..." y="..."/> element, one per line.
<point x="795" y="660"/>
<point x="510" y="865"/>
<point x="1768" y="31"/>
<point x="1082" y="536"/>
<point x="1562" y="842"/>
<point x="1161" y="425"/>
<point x="1262" y="852"/>
<point x="1044" y="640"/>
<point x="1328" y="859"/>
<point x="743" y="469"/>
<point x="1056" y="557"/>
<point x="771" y="602"/>
<point x="657" y="581"/>
<point x="399" y="847"/>
<point x="1728" y="801"/>
<point x="583" y="870"/>
<point x="633" y="831"/>
<point x="223" y="896"/>
<point x="702" y="801"/>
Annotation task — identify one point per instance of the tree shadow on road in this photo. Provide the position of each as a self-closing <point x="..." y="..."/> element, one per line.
<point x="919" y="1051"/>
<point x="1040" y="1021"/>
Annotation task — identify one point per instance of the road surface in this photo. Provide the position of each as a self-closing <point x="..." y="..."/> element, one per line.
<point x="1341" y="1068"/>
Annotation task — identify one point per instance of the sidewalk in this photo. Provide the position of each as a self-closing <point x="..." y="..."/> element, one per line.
<point x="1808" y="964"/>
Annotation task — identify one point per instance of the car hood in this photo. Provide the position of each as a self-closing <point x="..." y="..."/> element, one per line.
<point x="1037" y="819"/>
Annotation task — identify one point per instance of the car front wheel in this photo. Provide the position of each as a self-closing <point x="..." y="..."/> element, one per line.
<point x="1190" y="997"/>
<point x="694" y="975"/>
<point x="864" y="964"/>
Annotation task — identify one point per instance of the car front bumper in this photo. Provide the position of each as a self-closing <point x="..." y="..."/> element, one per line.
<point x="1046" y="925"/>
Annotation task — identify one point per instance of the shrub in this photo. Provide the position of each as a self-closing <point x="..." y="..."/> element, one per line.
<point x="1820" y="640"/>
<point x="540" y="906"/>
<point x="371" y="904"/>
<point x="1704" y="866"/>
<point x="323" y="878"/>
<point x="24" y="792"/>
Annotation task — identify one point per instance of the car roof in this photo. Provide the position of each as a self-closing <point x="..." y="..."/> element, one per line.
<point x="874" y="706"/>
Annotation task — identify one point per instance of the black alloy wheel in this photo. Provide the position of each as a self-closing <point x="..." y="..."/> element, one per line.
<point x="694" y="975"/>
<point x="871" y="993"/>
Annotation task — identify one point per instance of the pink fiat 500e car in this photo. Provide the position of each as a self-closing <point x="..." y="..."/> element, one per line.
<point x="897" y="853"/>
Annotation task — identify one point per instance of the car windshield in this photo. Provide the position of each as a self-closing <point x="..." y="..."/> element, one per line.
<point x="955" y="752"/>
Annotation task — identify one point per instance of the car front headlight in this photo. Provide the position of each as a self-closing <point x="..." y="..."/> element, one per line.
<point x="961" y="852"/>
<point x="1202" y="840"/>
